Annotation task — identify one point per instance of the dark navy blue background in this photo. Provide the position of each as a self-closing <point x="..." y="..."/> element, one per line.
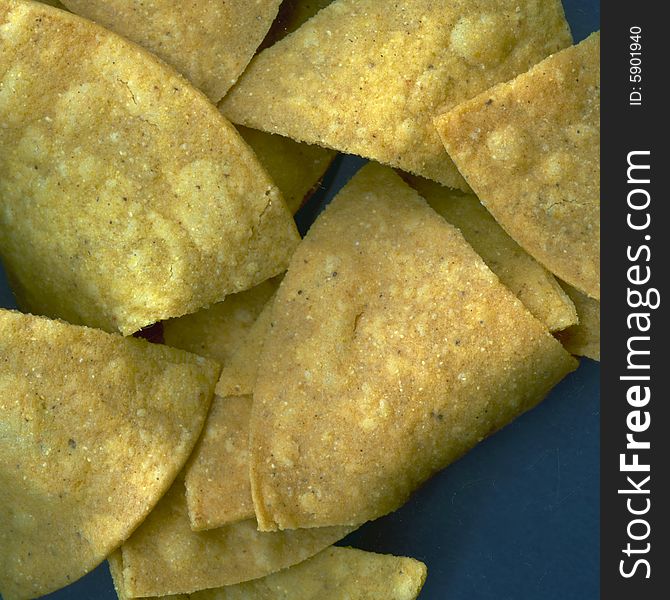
<point x="518" y="517"/>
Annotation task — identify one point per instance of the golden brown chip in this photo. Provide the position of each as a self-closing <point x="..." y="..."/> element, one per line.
<point x="218" y="331"/>
<point x="209" y="42"/>
<point x="394" y="349"/>
<point x="538" y="289"/>
<point x="367" y="77"/>
<point x="296" y="168"/>
<point x="94" y="430"/>
<point x="333" y="574"/>
<point x="530" y="149"/>
<point x="164" y="556"/>
<point x="218" y="491"/>
<point x="583" y="339"/>
<point x="128" y="198"/>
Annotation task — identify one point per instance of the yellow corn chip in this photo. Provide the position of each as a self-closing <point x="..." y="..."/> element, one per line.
<point x="292" y="14"/>
<point x="209" y="42"/>
<point x="128" y="198"/>
<point x="538" y="289"/>
<point x="530" y="149"/>
<point x="218" y="491"/>
<point x="583" y="339"/>
<point x="94" y="430"/>
<point x="295" y="168"/>
<point x="218" y="331"/>
<point x="333" y="574"/>
<point x="367" y="77"/>
<point x="164" y="556"/>
<point x="394" y="349"/>
<point x="238" y="377"/>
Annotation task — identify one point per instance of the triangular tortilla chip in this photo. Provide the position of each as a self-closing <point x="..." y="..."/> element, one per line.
<point x="238" y="377"/>
<point x="394" y="349"/>
<point x="530" y="149"/>
<point x="583" y="339"/>
<point x="209" y="42"/>
<point x="164" y="556"/>
<point x="218" y="491"/>
<point x="536" y="287"/>
<point x="128" y="197"/>
<point x="334" y="574"/>
<point x="94" y="430"/>
<point x="366" y="77"/>
<point x="296" y="168"/>
<point x="217" y="332"/>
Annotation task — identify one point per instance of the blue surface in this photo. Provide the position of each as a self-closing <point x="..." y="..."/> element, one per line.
<point x="518" y="517"/>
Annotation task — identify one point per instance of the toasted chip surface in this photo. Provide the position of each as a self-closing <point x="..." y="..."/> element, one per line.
<point x="218" y="331"/>
<point x="218" y="491"/>
<point x="393" y="350"/>
<point x="210" y="42"/>
<point x="295" y="168"/>
<point x="333" y="574"/>
<point x="536" y="287"/>
<point x="367" y="77"/>
<point x="94" y="430"/>
<point x="238" y="377"/>
<point x="164" y="556"/>
<point x="127" y="198"/>
<point x="530" y="149"/>
<point x="583" y="339"/>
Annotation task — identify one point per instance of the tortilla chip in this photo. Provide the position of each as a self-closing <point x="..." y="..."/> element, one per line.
<point x="164" y="556"/>
<point x="583" y="339"/>
<point x="296" y="168"/>
<point x="95" y="428"/>
<point x="218" y="491"/>
<point x="342" y="82"/>
<point x="238" y="377"/>
<point x="531" y="282"/>
<point x="530" y="149"/>
<point x="292" y="14"/>
<point x="209" y="42"/>
<point x="333" y="574"/>
<point x="128" y="198"/>
<point x="393" y="351"/>
<point x="218" y="331"/>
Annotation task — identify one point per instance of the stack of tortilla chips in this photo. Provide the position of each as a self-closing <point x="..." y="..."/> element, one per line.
<point x="304" y="387"/>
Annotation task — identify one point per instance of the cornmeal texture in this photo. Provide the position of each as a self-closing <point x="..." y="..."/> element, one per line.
<point x="238" y="377"/>
<point x="209" y="42"/>
<point x="218" y="331"/>
<point x="333" y="574"/>
<point x="218" y="491"/>
<point x="536" y="287"/>
<point x="583" y="339"/>
<point x="394" y="349"/>
<point x="164" y="556"/>
<point x="94" y="430"/>
<point x="367" y="77"/>
<point x="530" y="149"/>
<point x="126" y="198"/>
